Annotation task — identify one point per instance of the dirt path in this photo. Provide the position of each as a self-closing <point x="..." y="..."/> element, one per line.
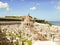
<point x="42" y="38"/>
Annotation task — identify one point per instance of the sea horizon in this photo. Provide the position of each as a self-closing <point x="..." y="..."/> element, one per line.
<point x="55" y="22"/>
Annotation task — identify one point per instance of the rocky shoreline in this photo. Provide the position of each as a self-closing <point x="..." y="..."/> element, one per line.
<point x="19" y="33"/>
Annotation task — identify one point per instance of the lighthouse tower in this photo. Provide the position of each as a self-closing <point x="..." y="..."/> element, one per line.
<point x="27" y="19"/>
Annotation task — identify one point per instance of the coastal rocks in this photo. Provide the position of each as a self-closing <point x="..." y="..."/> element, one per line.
<point x="18" y="33"/>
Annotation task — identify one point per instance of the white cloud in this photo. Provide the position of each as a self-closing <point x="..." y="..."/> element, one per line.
<point x="57" y="8"/>
<point x="59" y="3"/>
<point x="4" y="5"/>
<point x="38" y="4"/>
<point x="33" y="8"/>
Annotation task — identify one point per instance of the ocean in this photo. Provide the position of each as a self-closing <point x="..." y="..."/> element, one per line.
<point x="55" y="22"/>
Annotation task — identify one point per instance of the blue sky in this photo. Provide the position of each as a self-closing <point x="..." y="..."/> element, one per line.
<point x="43" y="9"/>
